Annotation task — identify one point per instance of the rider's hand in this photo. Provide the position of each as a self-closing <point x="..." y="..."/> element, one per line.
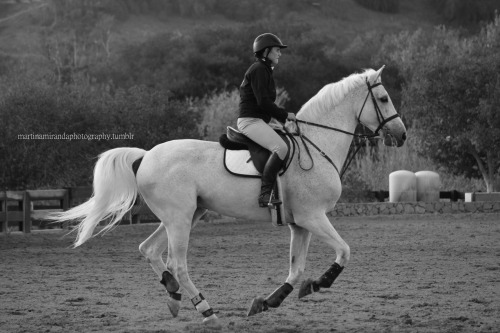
<point x="291" y="116"/>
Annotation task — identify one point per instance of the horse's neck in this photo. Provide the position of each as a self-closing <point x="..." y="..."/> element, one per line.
<point x="335" y="144"/>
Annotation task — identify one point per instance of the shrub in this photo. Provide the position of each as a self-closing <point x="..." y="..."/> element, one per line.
<point x="371" y="169"/>
<point x="34" y="109"/>
<point x="221" y="110"/>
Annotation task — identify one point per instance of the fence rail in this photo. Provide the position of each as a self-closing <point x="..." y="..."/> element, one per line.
<point x="22" y="208"/>
<point x="450" y="195"/>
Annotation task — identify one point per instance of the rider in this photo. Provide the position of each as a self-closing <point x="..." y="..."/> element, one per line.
<point x="257" y="107"/>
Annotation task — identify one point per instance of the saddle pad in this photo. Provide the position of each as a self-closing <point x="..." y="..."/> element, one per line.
<point x="239" y="163"/>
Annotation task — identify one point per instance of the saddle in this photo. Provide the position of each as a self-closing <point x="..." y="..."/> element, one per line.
<point x="235" y="140"/>
<point x="240" y="151"/>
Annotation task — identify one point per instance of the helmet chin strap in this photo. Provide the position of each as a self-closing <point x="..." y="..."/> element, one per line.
<point x="268" y="49"/>
<point x="266" y="52"/>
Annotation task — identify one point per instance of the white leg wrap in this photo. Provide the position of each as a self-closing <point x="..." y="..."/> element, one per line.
<point x="202" y="306"/>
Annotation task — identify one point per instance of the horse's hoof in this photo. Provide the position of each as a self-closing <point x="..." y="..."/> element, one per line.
<point x="213" y="322"/>
<point x="306" y="288"/>
<point x="173" y="306"/>
<point x="258" y="305"/>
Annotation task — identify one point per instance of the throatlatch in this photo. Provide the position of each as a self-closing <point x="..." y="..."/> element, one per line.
<point x="171" y="285"/>
<point x="325" y="281"/>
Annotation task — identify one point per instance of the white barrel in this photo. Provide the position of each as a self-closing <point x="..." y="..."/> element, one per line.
<point x="402" y="186"/>
<point x="428" y="186"/>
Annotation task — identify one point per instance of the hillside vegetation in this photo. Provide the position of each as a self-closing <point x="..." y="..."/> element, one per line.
<point x="169" y="69"/>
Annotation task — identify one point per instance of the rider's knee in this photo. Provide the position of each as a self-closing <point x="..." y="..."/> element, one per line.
<point x="281" y="149"/>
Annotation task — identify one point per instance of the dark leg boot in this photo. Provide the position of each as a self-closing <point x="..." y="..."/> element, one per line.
<point x="271" y="170"/>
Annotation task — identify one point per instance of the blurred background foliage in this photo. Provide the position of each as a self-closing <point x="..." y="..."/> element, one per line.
<point x="165" y="70"/>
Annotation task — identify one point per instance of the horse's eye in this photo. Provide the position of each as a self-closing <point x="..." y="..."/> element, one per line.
<point x="384" y="99"/>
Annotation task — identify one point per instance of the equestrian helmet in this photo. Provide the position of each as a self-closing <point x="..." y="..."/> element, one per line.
<point x="267" y="40"/>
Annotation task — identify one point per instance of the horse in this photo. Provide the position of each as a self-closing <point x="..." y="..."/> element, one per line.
<point x="180" y="180"/>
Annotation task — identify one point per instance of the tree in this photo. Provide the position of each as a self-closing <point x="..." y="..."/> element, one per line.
<point x="386" y="6"/>
<point x="77" y="39"/>
<point x="215" y="59"/>
<point x="466" y="12"/>
<point x="452" y="97"/>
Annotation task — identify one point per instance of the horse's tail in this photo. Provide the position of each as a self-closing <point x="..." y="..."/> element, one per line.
<point x="115" y="191"/>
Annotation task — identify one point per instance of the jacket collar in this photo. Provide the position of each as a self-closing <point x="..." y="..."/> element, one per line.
<point x="267" y="62"/>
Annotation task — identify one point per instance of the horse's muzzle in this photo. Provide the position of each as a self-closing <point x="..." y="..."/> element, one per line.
<point x="394" y="139"/>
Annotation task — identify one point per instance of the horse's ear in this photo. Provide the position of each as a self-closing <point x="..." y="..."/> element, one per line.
<point x="378" y="74"/>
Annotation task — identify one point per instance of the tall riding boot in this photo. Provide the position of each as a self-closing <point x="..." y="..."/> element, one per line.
<point x="271" y="169"/>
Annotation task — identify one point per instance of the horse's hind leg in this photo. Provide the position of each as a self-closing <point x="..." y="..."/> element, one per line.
<point x="152" y="249"/>
<point x="178" y="236"/>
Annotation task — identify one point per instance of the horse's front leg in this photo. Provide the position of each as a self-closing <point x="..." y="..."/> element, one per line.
<point x="321" y="227"/>
<point x="299" y="245"/>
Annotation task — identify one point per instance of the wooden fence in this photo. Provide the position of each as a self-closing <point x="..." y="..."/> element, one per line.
<point x="22" y="208"/>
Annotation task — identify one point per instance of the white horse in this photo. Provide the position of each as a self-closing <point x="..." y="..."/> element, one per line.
<point x="180" y="180"/>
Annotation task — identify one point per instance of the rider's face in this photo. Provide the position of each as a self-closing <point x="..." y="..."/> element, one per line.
<point x="274" y="55"/>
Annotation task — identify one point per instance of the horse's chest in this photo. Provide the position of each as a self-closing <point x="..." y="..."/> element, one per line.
<point x="316" y="191"/>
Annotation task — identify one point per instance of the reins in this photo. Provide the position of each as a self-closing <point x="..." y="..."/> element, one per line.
<point x="352" y="153"/>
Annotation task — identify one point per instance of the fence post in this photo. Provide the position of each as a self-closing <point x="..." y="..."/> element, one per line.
<point x="26" y="213"/>
<point x="65" y="207"/>
<point x="4" y="220"/>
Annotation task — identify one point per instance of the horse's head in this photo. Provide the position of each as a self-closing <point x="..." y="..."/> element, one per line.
<point x="378" y="113"/>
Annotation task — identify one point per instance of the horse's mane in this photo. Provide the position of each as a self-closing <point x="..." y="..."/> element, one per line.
<point x="332" y="94"/>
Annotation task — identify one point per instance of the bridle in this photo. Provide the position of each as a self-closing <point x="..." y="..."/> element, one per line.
<point x="380" y="117"/>
<point x="352" y="153"/>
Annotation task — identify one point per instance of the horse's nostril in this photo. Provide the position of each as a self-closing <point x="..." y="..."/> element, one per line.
<point x="403" y="136"/>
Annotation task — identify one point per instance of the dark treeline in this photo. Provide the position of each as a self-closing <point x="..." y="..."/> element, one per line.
<point x="459" y="11"/>
<point x="467" y="11"/>
<point x="385" y="6"/>
<point x="213" y="59"/>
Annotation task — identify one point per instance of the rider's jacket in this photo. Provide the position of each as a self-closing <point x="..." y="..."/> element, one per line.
<point x="258" y="93"/>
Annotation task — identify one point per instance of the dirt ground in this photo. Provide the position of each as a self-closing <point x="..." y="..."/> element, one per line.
<point x="406" y="274"/>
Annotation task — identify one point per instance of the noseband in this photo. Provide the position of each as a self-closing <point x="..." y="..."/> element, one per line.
<point x="380" y="117"/>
